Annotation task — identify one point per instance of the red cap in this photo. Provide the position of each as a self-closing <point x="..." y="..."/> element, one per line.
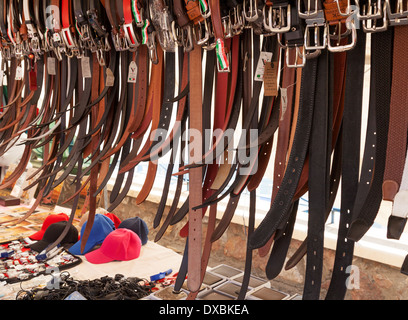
<point x="51" y="219"/>
<point x="114" y="218"/>
<point x="119" y="245"/>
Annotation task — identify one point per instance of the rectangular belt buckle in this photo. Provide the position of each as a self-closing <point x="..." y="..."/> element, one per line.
<point x="251" y="13"/>
<point x="237" y="19"/>
<point x="68" y="39"/>
<point x="278" y="19"/>
<point x="300" y="54"/>
<point x="338" y="36"/>
<point x="308" y="12"/>
<point x="131" y="37"/>
<point x="372" y="15"/>
<point x="201" y="32"/>
<point x="226" y="25"/>
<point x="400" y="15"/>
<point x="316" y="32"/>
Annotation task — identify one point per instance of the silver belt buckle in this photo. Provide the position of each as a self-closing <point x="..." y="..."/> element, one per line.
<point x="338" y="36"/>
<point x="151" y="45"/>
<point x="201" y="33"/>
<point x="400" y="15"/>
<point x="300" y="53"/>
<point x="308" y="12"/>
<point x="371" y="14"/>
<point x="251" y="13"/>
<point x="131" y="37"/>
<point x="279" y="19"/>
<point x="237" y="20"/>
<point x="316" y="32"/>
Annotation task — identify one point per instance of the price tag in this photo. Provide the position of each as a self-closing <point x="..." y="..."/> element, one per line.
<point x="132" y="74"/>
<point x="264" y="58"/>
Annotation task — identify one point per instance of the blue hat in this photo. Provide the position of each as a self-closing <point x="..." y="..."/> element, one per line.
<point x="101" y="227"/>
<point x="138" y="226"/>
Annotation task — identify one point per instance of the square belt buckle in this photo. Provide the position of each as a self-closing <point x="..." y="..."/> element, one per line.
<point x="374" y="17"/>
<point x="278" y="20"/>
<point x="400" y="15"/>
<point x="316" y="32"/>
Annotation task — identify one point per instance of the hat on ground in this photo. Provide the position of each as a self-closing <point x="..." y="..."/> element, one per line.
<point x="101" y="227"/>
<point x="53" y="218"/>
<point x="119" y="245"/>
<point x="52" y="233"/>
<point x="138" y="226"/>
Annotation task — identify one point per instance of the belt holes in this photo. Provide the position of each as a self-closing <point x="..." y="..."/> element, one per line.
<point x="297" y="159"/>
<point x="281" y="203"/>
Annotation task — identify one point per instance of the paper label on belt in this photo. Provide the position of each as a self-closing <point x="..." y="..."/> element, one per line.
<point x="19" y="73"/>
<point x="110" y="78"/>
<point x="271" y="79"/>
<point x="264" y="58"/>
<point x="51" y="66"/>
<point x="86" y="67"/>
<point x="284" y="101"/>
<point x="132" y="74"/>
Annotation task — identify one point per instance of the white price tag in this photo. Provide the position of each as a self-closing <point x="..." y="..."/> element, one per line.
<point x="132" y="74"/>
<point x="264" y="58"/>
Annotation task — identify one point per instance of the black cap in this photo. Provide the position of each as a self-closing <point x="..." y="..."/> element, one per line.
<point x="52" y="233"/>
<point x="138" y="226"/>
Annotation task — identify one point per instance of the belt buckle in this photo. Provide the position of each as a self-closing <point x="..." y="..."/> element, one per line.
<point x="314" y="26"/>
<point x="6" y="53"/>
<point x="176" y="33"/>
<point x="349" y="9"/>
<point x="201" y="32"/>
<point x="339" y="36"/>
<point x="187" y="38"/>
<point x="120" y="43"/>
<point x="279" y="19"/>
<point x="252" y="14"/>
<point x="85" y="34"/>
<point x="35" y="45"/>
<point x="300" y="53"/>
<point x="151" y="46"/>
<point x="132" y="39"/>
<point x="69" y="40"/>
<point x="400" y="16"/>
<point x="226" y="24"/>
<point x="308" y="13"/>
<point x="165" y="24"/>
<point x="237" y="19"/>
<point x="370" y="17"/>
